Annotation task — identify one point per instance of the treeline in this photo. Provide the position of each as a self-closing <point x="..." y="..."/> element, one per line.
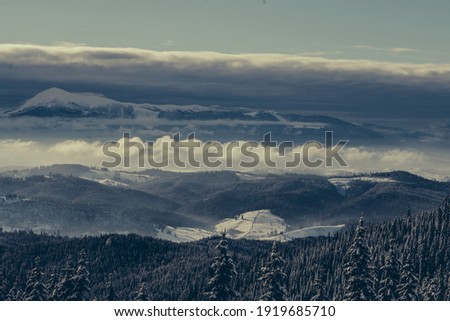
<point x="405" y="259"/>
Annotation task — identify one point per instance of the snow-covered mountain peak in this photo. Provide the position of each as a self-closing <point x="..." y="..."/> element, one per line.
<point x="55" y="97"/>
<point x="55" y="102"/>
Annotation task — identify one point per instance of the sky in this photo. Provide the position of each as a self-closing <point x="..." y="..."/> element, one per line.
<point x="413" y="31"/>
<point x="347" y="58"/>
<point x="384" y="62"/>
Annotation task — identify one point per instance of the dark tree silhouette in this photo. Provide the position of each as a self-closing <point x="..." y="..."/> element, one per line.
<point x="35" y="290"/>
<point x="15" y="293"/>
<point x="141" y="293"/>
<point x="319" y="285"/>
<point x="222" y="270"/>
<point x="409" y="283"/>
<point x="64" y="290"/>
<point x="390" y="276"/>
<point x="110" y="293"/>
<point x="80" y="280"/>
<point x="357" y="268"/>
<point x="4" y="284"/>
<point x="273" y="278"/>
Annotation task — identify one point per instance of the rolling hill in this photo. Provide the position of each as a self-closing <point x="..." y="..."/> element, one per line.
<point x="77" y="200"/>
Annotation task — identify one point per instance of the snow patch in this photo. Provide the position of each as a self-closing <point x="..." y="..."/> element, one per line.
<point x="249" y="177"/>
<point x="183" y="234"/>
<point x="110" y="182"/>
<point x="343" y="183"/>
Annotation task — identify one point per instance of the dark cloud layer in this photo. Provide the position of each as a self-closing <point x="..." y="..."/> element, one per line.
<point x="254" y="80"/>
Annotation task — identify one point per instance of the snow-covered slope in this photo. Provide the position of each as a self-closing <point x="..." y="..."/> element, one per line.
<point x="102" y="176"/>
<point x="343" y="183"/>
<point x="252" y="225"/>
<point x="255" y="225"/>
<point x="115" y="178"/>
<point x="183" y="234"/>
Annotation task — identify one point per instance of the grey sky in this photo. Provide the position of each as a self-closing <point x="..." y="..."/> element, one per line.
<point x="391" y="30"/>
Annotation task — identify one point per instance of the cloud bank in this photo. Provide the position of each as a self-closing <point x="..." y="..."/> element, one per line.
<point x="28" y="153"/>
<point x="253" y="80"/>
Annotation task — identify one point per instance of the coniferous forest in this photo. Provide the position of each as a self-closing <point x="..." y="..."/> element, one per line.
<point x="404" y="259"/>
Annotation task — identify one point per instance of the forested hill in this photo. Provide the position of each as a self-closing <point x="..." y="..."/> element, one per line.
<point x="404" y="259"/>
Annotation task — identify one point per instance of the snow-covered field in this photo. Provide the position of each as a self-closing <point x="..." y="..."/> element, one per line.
<point x="252" y="225"/>
<point x="183" y="234"/>
<point x="255" y="225"/>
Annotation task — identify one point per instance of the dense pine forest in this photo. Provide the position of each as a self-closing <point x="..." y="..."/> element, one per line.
<point x="404" y="259"/>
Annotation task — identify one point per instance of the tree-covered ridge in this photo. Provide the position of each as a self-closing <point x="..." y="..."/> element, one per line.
<point x="404" y="259"/>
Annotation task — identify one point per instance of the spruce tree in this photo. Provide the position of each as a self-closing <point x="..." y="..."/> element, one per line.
<point x="64" y="290"/>
<point x="15" y="293"/>
<point x="35" y="289"/>
<point x="319" y="285"/>
<point x="141" y="293"/>
<point x="110" y="293"/>
<point x="390" y="276"/>
<point x="222" y="273"/>
<point x="52" y="284"/>
<point x="447" y="293"/>
<point x="357" y="270"/>
<point x="4" y="284"/>
<point x="273" y="278"/>
<point x="429" y="290"/>
<point x="409" y="283"/>
<point x="80" y="280"/>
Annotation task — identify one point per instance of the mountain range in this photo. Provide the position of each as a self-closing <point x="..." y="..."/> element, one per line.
<point x="209" y="123"/>
<point x="76" y="200"/>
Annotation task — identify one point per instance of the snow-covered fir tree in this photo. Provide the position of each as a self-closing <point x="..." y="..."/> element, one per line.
<point x="15" y="293"/>
<point x="390" y="276"/>
<point x="65" y="288"/>
<point x="222" y="272"/>
<point x="273" y="278"/>
<point x="110" y="294"/>
<point x="447" y="293"/>
<point x="409" y="283"/>
<point x="52" y="283"/>
<point x="4" y="284"/>
<point x="35" y="289"/>
<point x="357" y="268"/>
<point x="319" y="284"/>
<point x="141" y="293"/>
<point x="431" y="290"/>
<point x="80" y="280"/>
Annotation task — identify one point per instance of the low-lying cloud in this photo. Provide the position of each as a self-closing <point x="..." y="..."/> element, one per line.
<point x="254" y="80"/>
<point x="28" y="153"/>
